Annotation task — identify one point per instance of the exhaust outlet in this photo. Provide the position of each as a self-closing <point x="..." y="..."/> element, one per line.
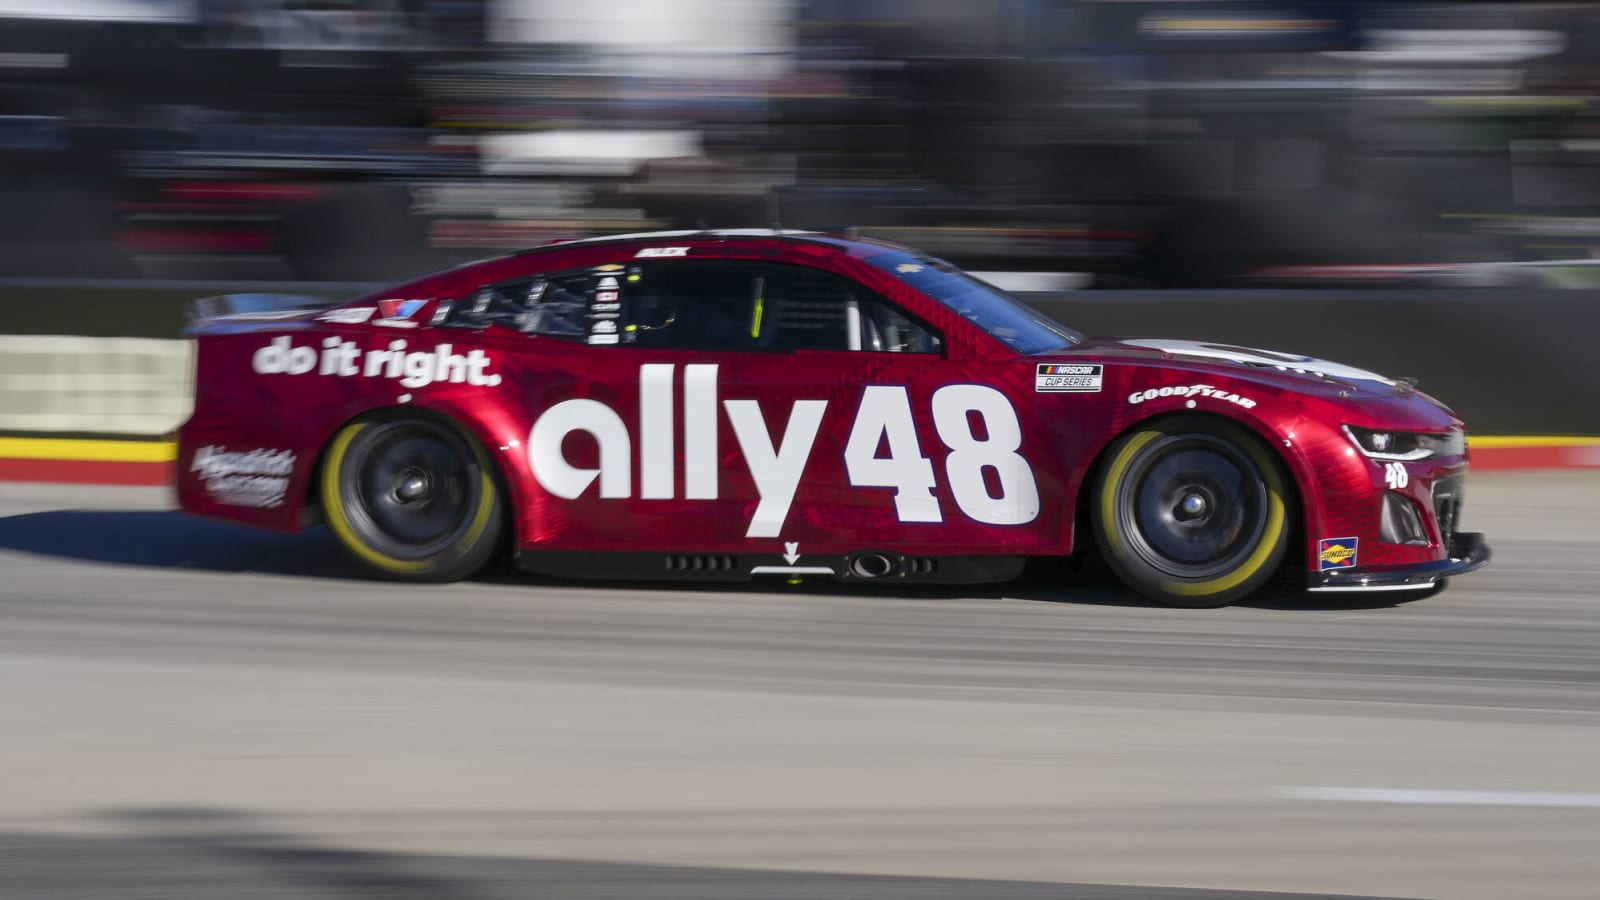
<point x="873" y="565"/>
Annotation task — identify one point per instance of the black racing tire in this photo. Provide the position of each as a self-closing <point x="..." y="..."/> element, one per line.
<point x="1192" y="512"/>
<point x="412" y="499"/>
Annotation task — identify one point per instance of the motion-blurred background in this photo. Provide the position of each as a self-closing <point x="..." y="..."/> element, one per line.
<point x="1406" y="186"/>
<point x="1130" y="143"/>
<point x="190" y="711"/>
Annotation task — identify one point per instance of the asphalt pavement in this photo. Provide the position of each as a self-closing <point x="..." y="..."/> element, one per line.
<point x="194" y="710"/>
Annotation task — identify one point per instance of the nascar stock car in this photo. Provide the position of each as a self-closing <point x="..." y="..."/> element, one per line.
<point x="720" y="405"/>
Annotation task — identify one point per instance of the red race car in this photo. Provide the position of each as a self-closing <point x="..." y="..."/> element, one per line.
<point x="718" y="405"/>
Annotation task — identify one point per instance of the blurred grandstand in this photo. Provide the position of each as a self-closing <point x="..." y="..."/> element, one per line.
<point x="1148" y="143"/>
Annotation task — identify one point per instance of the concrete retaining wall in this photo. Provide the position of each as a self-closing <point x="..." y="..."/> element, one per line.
<point x="110" y="386"/>
<point x="1517" y="362"/>
<point x="1510" y="361"/>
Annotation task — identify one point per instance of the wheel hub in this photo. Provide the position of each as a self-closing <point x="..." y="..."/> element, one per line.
<point x="411" y="486"/>
<point x="1193" y="505"/>
<point x="409" y="496"/>
<point x="1196" y="506"/>
<point x="415" y="487"/>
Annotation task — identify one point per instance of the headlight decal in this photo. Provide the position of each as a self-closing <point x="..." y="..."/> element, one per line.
<point x="1404" y="446"/>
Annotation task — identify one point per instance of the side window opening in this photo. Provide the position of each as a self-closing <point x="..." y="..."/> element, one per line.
<point x="697" y="305"/>
<point x="756" y="307"/>
<point x="811" y="311"/>
<point x="552" y="305"/>
<point x="885" y="329"/>
<point x="693" y="306"/>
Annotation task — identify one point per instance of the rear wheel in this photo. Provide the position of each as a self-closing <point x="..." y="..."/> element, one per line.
<point x="1192" y="513"/>
<point x="412" y="499"/>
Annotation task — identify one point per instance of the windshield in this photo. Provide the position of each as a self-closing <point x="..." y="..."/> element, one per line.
<point x="1017" y="326"/>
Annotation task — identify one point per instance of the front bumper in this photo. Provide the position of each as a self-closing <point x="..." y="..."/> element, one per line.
<point x="1468" y="552"/>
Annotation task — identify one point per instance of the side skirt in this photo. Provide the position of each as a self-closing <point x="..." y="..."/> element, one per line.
<point x="885" y="567"/>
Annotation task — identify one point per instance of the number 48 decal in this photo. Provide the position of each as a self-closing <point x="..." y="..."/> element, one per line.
<point x="884" y="419"/>
<point x="1396" y="476"/>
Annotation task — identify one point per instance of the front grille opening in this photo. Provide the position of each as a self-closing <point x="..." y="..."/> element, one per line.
<point x="1447" y="511"/>
<point x="1447" y="507"/>
<point x="1401" y="522"/>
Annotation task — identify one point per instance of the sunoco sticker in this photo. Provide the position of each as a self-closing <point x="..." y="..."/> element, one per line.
<point x="1337" y="553"/>
<point x="1068" y="378"/>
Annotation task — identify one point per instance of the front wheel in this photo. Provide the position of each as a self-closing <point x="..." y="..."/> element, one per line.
<point x="1192" y="513"/>
<point x="412" y="499"/>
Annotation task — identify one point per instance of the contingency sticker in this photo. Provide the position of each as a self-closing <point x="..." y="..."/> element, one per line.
<point x="1337" y="553"/>
<point x="400" y="309"/>
<point x="256" y="478"/>
<point x="350" y="315"/>
<point x="1193" y="390"/>
<point x="1068" y="378"/>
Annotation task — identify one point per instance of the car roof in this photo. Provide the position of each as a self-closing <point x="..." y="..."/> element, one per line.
<point x="846" y="242"/>
<point x="516" y="264"/>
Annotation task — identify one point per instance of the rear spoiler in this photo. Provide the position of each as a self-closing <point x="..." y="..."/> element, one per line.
<point x="254" y="305"/>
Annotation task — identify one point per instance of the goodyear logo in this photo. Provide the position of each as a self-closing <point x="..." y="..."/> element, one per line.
<point x="1337" y="553"/>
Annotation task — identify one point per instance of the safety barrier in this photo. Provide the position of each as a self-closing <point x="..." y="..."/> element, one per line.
<point x="87" y="385"/>
<point x="1510" y="361"/>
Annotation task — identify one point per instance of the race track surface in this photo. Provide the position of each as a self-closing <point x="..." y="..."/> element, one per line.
<point x="193" y="710"/>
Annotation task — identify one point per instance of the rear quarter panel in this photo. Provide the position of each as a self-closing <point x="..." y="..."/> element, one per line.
<point x="288" y="389"/>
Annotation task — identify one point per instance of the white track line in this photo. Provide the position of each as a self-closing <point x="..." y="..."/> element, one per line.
<point x="1443" y="798"/>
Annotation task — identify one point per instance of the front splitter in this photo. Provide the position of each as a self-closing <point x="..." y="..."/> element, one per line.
<point x="1468" y="552"/>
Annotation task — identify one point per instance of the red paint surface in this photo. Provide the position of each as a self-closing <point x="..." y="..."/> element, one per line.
<point x="1063" y="434"/>
<point x="244" y="191"/>
<point x="195" y="240"/>
<point x="1511" y="458"/>
<point x="119" y="472"/>
<point x="87" y="471"/>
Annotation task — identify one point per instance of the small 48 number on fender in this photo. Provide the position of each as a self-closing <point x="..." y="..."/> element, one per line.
<point x="1192" y="512"/>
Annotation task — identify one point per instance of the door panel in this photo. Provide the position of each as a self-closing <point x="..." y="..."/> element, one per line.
<point x="642" y="445"/>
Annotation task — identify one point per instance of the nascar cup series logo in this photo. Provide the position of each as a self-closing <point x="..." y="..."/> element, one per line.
<point x="1052" y="378"/>
<point x="255" y="478"/>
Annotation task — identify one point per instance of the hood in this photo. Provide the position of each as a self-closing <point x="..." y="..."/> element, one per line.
<point x="1300" y="369"/>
